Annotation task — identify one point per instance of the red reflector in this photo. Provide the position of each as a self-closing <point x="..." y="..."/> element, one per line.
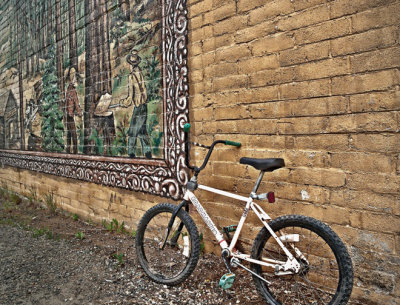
<point x="271" y="197"/>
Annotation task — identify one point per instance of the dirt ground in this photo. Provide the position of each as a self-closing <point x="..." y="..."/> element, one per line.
<point x="50" y="257"/>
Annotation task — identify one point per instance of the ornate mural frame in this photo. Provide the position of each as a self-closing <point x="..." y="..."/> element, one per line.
<point x="160" y="177"/>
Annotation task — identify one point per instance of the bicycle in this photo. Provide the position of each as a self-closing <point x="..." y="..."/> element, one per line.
<point x="294" y="259"/>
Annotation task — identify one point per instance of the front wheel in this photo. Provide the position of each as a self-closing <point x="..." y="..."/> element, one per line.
<point x="326" y="273"/>
<point x="173" y="263"/>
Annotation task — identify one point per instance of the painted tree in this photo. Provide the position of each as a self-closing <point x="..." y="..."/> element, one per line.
<point x="98" y="71"/>
<point x="20" y="85"/>
<point x="59" y="53"/>
<point x="73" y="56"/>
<point x="49" y="23"/>
<point x="52" y="126"/>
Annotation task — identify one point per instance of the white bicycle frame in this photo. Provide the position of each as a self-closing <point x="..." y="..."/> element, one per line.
<point x="288" y="267"/>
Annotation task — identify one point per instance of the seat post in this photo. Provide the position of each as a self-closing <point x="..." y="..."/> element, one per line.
<point x="256" y="186"/>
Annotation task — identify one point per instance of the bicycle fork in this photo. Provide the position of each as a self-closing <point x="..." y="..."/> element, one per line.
<point x="174" y="239"/>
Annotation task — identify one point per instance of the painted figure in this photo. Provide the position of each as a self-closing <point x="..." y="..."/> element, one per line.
<point x="105" y="121"/>
<point x="137" y="95"/>
<point x="72" y="107"/>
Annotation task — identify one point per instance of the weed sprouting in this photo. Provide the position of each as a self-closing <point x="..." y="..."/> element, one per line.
<point x="120" y="258"/>
<point x="50" y="202"/>
<point x="32" y="197"/>
<point x="115" y="226"/>
<point x="121" y="228"/>
<point x="202" y="245"/>
<point x="14" y="198"/>
<point x="80" y="235"/>
<point x="38" y="232"/>
<point x="75" y="217"/>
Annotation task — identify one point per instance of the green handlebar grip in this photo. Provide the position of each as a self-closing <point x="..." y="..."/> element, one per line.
<point x="237" y="144"/>
<point x="186" y="127"/>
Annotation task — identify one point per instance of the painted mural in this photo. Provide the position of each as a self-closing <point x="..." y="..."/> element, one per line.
<point x="86" y="78"/>
<point x="86" y="75"/>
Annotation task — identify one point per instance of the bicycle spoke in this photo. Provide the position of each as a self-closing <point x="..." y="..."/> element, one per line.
<point x="318" y="279"/>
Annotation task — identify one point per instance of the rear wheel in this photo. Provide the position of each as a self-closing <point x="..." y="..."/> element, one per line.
<point x="177" y="260"/>
<point x="326" y="274"/>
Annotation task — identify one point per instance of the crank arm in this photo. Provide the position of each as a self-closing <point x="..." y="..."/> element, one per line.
<point x="249" y="270"/>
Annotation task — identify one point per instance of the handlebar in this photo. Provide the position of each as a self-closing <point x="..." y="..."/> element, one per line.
<point x="186" y="129"/>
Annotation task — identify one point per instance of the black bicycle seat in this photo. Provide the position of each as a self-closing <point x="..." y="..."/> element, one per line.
<point x="266" y="165"/>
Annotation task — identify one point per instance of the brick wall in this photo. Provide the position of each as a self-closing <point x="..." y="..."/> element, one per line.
<point x="313" y="81"/>
<point x="317" y="83"/>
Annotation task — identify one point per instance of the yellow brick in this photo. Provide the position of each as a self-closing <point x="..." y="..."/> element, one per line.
<point x="222" y="69"/>
<point x="375" y="222"/>
<point x="377" y="17"/>
<point x="225" y="11"/>
<point x="321" y="69"/>
<point x="363" y="122"/>
<point x="195" y="22"/>
<point x="307" y="89"/>
<point x="326" y="30"/>
<point x="196" y="76"/>
<point x="376" y="60"/>
<point x="232" y="54"/>
<point x="257" y="31"/>
<point x="231" y="112"/>
<point x="365" y="240"/>
<point x="375" y="101"/>
<point x="366" y="41"/>
<point x="271" y="44"/>
<point x="363" y="200"/>
<point x="314" y="176"/>
<point x="223" y="41"/>
<point x="257" y="126"/>
<point x="199" y="8"/>
<point x="225" y="97"/>
<point x="204" y="114"/>
<point x="255" y="64"/>
<point x="271" y="9"/>
<point x="381" y="143"/>
<point x="208" y="45"/>
<point x="361" y="162"/>
<point x="310" y="52"/>
<point x="197" y="35"/>
<point x="305" y="18"/>
<point x="303" y="125"/>
<point x="377" y="182"/>
<point x="343" y="7"/>
<point x="364" y="83"/>
<point x="230" y="25"/>
<point x="256" y="95"/>
<point x="245" y="5"/>
<point x="230" y="82"/>
<point x="303" y="4"/>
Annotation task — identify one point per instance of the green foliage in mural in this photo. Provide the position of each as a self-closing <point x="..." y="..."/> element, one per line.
<point x="153" y="126"/>
<point x="81" y="137"/>
<point x="52" y="125"/>
<point x="153" y="83"/>
<point x="94" y="137"/>
<point x="120" y="144"/>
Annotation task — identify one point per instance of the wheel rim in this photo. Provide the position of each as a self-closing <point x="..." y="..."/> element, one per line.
<point x="170" y="262"/>
<point x="319" y="277"/>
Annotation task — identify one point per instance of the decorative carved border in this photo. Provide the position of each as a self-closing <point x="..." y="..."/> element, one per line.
<point x="160" y="177"/>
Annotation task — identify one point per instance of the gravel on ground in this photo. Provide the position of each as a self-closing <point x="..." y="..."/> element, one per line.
<point x="43" y="260"/>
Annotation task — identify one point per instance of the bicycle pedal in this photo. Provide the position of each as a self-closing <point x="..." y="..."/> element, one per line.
<point x="227" y="280"/>
<point x="231" y="228"/>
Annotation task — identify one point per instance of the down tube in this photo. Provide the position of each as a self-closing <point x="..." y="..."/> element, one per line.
<point x="207" y="220"/>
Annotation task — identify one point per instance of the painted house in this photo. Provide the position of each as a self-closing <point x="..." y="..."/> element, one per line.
<point x="9" y="135"/>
